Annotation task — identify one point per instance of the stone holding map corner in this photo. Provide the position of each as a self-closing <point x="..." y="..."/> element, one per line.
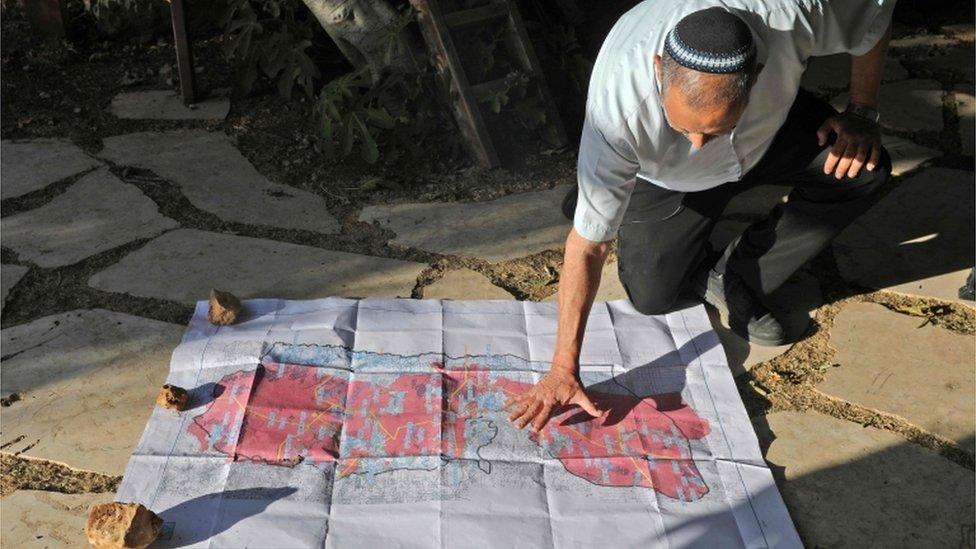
<point x="173" y="398"/>
<point x="224" y="308"/>
<point x="122" y="526"/>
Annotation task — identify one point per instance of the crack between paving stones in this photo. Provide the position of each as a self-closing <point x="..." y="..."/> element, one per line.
<point x="31" y="473"/>
<point x="788" y="382"/>
<point x="41" y="197"/>
<point x="46" y="291"/>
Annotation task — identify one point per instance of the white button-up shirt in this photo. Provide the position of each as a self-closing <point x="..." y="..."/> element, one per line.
<point x="625" y="134"/>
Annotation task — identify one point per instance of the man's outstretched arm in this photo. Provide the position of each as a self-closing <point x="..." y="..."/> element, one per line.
<point x="578" y="284"/>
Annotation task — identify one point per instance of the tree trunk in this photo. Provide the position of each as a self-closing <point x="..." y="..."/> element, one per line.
<point x="365" y="32"/>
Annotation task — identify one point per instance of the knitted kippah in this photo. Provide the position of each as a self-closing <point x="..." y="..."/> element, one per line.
<point x="711" y="40"/>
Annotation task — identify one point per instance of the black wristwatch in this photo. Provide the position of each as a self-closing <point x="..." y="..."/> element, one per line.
<point x="861" y="111"/>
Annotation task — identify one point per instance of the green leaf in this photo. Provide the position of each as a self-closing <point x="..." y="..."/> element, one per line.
<point x="348" y="136"/>
<point x="380" y="118"/>
<point x="286" y="82"/>
<point x="368" y="149"/>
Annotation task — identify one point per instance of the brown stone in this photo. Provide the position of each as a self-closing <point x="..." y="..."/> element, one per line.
<point x="122" y="525"/>
<point x="224" y="308"/>
<point x="172" y="397"/>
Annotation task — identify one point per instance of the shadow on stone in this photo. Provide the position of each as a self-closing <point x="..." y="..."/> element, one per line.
<point x="846" y="485"/>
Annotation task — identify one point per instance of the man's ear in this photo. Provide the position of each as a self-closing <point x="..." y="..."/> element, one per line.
<point x="658" y="68"/>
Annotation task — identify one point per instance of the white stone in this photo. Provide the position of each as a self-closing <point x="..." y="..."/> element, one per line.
<point x="215" y="177"/>
<point x="966" y="110"/>
<point x="10" y="275"/>
<point x="184" y="265"/>
<point x="87" y="382"/>
<point x="506" y="228"/>
<point x="32" y="518"/>
<point x="464" y="284"/>
<point x="917" y="240"/>
<point x="833" y="72"/>
<point x="97" y="213"/>
<point x="795" y="303"/>
<point x="906" y="155"/>
<point x="909" y="105"/>
<point x="166" y="105"/>
<point x="611" y="288"/>
<point x="28" y="166"/>
<point x="851" y="486"/>
<point x="923" y="374"/>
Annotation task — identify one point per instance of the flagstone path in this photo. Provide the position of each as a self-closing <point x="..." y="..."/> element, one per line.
<point x="867" y="422"/>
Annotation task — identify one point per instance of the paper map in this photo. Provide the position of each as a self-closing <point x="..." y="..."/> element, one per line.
<point x="347" y="423"/>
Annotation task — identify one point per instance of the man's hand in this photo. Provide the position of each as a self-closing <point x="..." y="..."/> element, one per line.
<point x="858" y="142"/>
<point x="560" y="387"/>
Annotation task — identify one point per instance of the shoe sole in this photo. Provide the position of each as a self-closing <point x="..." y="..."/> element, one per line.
<point x="719" y="303"/>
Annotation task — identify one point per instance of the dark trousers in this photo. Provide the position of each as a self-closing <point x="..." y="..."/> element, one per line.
<point x="663" y="239"/>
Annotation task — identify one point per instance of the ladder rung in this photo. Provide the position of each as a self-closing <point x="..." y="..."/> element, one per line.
<point x="461" y="18"/>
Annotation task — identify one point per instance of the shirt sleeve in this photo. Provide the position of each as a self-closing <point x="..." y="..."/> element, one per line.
<point x="606" y="174"/>
<point x="848" y="26"/>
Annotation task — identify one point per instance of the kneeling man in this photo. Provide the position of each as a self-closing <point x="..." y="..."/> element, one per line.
<point x="688" y="106"/>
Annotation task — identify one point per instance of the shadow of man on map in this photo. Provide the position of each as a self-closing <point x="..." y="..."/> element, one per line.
<point x="659" y="383"/>
<point x="207" y="516"/>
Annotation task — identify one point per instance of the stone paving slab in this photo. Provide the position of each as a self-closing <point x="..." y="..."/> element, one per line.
<point x="909" y="105"/>
<point x="917" y="240"/>
<point x="833" y="72"/>
<point x="852" y="486"/>
<point x="10" y="275"/>
<point x="32" y="518"/>
<point x="611" y="288"/>
<point x="87" y="382"/>
<point x="906" y="155"/>
<point x="923" y="374"/>
<point x="960" y="60"/>
<point x="966" y="110"/>
<point x="29" y="166"/>
<point x="184" y="265"/>
<point x="215" y="177"/>
<point x="796" y="302"/>
<point x="965" y="32"/>
<point x="465" y="284"/>
<point x="166" y="105"/>
<point x="921" y="41"/>
<point x="97" y="213"/>
<point x="506" y="228"/>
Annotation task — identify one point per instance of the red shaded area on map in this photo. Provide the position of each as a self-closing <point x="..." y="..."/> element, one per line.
<point x="283" y="413"/>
